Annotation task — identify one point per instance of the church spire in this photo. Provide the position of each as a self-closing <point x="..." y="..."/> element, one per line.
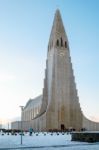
<point x="58" y="36"/>
<point x="58" y="23"/>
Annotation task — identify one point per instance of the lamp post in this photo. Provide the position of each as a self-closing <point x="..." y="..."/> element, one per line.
<point x="22" y="107"/>
<point x="8" y="128"/>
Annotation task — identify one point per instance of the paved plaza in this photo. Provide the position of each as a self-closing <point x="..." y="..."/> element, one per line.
<point x="44" y="141"/>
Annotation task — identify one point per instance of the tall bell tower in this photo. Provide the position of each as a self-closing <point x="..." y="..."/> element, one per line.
<point x="60" y="100"/>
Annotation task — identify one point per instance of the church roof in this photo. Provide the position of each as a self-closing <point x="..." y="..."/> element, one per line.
<point x="32" y="102"/>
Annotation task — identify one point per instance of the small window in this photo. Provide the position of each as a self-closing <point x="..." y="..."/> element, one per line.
<point x="65" y="44"/>
<point x="61" y="42"/>
<point x="57" y="43"/>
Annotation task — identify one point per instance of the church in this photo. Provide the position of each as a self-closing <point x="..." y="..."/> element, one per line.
<point x="58" y="108"/>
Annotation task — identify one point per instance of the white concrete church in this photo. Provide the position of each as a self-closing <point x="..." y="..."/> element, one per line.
<point x="58" y="107"/>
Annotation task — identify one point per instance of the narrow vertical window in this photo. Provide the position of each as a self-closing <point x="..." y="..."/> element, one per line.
<point x="57" y="43"/>
<point x="65" y="44"/>
<point x="61" y="42"/>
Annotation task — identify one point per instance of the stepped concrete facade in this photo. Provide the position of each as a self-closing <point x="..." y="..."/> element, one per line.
<point x="59" y="106"/>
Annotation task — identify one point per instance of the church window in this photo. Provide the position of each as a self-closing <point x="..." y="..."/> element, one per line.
<point x="65" y="44"/>
<point x="57" y="43"/>
<point x="61" y="41"/>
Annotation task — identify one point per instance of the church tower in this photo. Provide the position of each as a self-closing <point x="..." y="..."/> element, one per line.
<point x="60" y="105"/>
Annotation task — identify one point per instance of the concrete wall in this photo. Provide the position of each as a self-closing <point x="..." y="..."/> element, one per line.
<point x="90" y="125"/>
<point x="26" y="125"/>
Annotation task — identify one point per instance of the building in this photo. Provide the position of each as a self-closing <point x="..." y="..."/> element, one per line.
<point x="58" y="108"/>
<point x="31" y="110"/>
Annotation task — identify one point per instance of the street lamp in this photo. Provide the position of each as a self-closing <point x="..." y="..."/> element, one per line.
<point x="22" y="107"/>
<point x="8" y="128"/>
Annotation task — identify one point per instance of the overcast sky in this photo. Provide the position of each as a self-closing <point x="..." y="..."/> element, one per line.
<point x="25" y="27"/>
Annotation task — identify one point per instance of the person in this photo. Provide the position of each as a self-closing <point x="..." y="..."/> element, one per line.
<point x="30" y="131"/>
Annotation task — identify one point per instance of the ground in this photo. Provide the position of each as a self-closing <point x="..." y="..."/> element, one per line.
<point x="43" y="141"/>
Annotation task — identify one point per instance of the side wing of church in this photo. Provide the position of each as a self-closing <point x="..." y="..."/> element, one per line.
<point x="59" y="104"/>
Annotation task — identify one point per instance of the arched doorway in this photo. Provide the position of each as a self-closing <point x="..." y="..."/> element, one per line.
<point x="62" y="127"/>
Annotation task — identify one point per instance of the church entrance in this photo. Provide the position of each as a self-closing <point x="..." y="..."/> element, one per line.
<point x="62" y="127"/>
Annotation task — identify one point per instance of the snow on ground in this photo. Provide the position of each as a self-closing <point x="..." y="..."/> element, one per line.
<point x="45" y="142"/>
